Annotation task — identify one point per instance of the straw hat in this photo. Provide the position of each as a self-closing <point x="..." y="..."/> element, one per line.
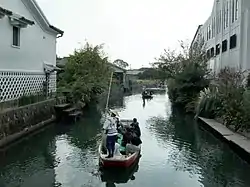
<point x="113" y="112"/>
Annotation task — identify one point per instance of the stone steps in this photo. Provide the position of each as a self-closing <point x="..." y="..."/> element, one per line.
<point x="70" y="110"/>
<point x="67" y="112"/>
<point x="75" y="115"/>
<point x="62" y="106"/>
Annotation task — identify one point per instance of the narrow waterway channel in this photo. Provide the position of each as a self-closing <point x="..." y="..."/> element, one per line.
<point x="176" y="152"/>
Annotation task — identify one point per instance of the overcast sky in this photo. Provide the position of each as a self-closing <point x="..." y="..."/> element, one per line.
<point x="136" y="31"/>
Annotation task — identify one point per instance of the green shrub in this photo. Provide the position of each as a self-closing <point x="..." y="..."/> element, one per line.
<point x="172" y="90"/>
<point x="86" y="74"/>
<point x="231" y="91"/>
<point x="208" y="103"/>
<point x="186" y="73"/>
<point x="246" y="108"/>
<point x="248" y="81"/>
<point x="227" y="99"/>
<point x="187" y="84"/>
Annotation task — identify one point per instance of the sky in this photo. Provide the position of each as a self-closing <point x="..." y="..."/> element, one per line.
<point x="136" y="31"/>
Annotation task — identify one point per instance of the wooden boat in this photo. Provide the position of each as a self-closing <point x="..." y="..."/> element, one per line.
<point x="147" y="96"/>
<point x="122" y="161"/>
<point x="119" y="175"/>
<point x="118" y="161"/>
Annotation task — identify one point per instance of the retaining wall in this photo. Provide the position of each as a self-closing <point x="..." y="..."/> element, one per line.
<point x="239" y="143"/>
<point x="23" y="119"/>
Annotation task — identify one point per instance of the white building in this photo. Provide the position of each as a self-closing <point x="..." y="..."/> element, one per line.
<point x="226" y="35"/>
<point x="27" y="49"/>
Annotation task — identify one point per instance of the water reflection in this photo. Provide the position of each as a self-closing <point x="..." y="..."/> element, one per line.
<point x="112" y="176"/>
<point x="77" y="152"/>
<point x="143" y="102"/>
<point x="54" y="156"/>
<point x="116" y="99"/>
<point x="175" y="152"/>
<point x="31" y="162"/>
<point x="197" y="152"/>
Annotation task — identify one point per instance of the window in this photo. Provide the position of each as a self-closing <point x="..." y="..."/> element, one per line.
<point x="233" y="41"/>
<point x="224" y="46"/>
<point x="233" y="7"/>
<point x="16" y="36"/>
<point x="208" y="54"/>
<point x="236" y="9"/>
<point x="217" y="50"/>
<point x="212" y="52"/>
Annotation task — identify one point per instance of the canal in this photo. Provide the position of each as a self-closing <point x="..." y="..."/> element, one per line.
<point x="175" y="152"/>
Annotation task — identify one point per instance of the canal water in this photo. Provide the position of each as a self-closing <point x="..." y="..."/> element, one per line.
<point x="175" y="152"/>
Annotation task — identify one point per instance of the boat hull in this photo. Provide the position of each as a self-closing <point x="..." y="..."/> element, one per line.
<point x="116" y="162"/>
<point x="147" y="96"/>
<point x="119" y="175"/>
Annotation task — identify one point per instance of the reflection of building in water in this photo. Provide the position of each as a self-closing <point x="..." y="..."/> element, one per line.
<point x="35" y="163"/>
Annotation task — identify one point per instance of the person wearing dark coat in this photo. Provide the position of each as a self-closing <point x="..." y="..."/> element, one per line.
<point x="135" y="127"/>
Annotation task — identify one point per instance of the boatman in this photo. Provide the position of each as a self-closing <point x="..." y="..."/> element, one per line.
<point x="110" y="127"/>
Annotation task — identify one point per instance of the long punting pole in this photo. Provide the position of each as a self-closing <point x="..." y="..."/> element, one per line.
<point x="110" y="83"/>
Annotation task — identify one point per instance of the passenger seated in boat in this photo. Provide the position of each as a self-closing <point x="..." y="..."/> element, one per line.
<point x="136" y="140"/>
<point x="144" y="92"/>
<point x="127" y="136"/>
<point x="130" y="149"/>
<point x="117" y="148"/>
<point x="135" y="127"/>
<point x="130" y="137"/>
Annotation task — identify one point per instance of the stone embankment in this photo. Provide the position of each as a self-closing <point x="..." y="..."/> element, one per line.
<point x="18" y="122"/>
<point x="239" y="143"/>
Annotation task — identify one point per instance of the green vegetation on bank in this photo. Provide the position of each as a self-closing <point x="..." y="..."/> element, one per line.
<point x="227" y="99"/>
<point x="86" y="74"/>
<point x="192" y="86"/>
<point x="121" y="63"/>
<point x="185" y="74"/>
<point x="151" y="74"/>
<point x="32" y="98"/>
